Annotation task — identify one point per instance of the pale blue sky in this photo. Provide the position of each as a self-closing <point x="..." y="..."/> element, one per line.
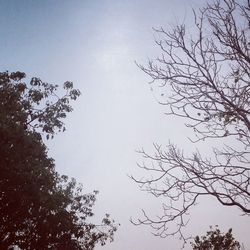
<point x="95" y="43"/>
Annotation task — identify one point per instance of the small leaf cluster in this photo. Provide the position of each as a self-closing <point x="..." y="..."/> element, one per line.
<point x="215" y="240"/>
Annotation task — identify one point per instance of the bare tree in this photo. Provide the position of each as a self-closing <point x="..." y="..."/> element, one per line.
<point x="205" y="78"/>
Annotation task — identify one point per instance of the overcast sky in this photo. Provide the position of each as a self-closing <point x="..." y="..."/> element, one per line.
<point x="94" y="43"/>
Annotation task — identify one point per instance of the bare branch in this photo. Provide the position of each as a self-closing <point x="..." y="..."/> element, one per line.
<point x="205" y="79"/>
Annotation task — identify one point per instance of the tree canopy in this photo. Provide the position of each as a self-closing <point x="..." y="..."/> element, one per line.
<point x="203" y="75"/>
<point x="39" y="208"/>
<point x="215" y="240"/>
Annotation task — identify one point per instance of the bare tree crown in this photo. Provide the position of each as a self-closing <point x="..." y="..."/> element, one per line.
<point x="205" y="79"/>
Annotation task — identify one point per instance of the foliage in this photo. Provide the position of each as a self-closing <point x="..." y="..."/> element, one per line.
<point x="204" y="78"/>
<point x="40" y="209"/>
<point x="215" y="240"/>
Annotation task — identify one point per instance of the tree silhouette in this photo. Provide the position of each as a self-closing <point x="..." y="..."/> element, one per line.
<point x="215" y="240"/>
<point x="204" y="78"/>
<point x="39" y="208"/>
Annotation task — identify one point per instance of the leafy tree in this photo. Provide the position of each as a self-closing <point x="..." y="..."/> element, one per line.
<point x="215" y="240"/>
<point x="204" y="77"/>
<point x="39" y="208"/>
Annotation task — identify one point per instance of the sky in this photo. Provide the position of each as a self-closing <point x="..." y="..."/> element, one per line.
<point x="95" y="44"/>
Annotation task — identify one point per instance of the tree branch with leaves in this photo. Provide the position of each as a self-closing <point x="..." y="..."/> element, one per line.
<point x="40" y="208"/>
